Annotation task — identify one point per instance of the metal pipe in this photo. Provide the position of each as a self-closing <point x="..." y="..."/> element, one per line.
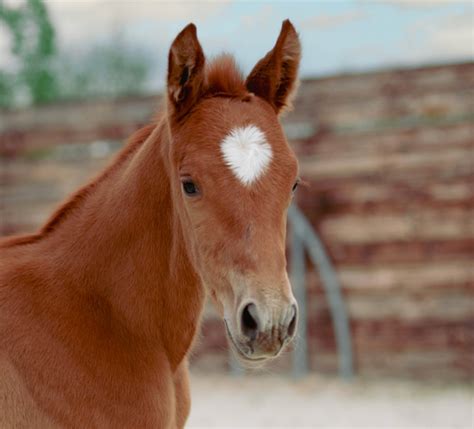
<point x="316" y="251"/>
<point x="300" y="351"/>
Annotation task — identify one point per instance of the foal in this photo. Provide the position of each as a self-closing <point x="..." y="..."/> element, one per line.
<point x="99" y="309"/>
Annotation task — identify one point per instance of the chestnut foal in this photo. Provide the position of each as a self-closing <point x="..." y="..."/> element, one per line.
<point x="99" y="309"/>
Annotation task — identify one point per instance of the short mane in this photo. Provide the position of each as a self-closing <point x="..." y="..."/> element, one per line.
<point x="132" y="145"/>
<point x="74" y="201"/>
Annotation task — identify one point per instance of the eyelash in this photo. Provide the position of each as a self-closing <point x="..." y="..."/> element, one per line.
<point x="295" y="185"/>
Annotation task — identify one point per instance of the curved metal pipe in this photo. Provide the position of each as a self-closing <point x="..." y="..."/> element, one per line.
<point x="303" y="231"/>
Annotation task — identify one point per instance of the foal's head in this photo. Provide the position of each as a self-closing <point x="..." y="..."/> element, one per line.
<point x="233" y="176"/>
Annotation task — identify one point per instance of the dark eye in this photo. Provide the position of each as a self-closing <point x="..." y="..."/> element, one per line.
<point x="295" y="185"/>
<point x="190" y="188"/>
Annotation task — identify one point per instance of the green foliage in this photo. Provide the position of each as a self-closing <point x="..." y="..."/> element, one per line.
<point x="42" y="75"/>
<point x="108" y="70"/>
<point x="6" y="90"/>
<point x="33" y="45"/>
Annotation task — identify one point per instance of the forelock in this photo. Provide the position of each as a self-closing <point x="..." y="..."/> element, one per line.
<point x="223" y="77"/>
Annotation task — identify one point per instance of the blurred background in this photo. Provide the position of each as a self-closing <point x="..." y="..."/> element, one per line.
<point x="381" y="250"/>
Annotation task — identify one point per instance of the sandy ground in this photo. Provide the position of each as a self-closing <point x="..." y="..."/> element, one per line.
<point x="221" y="401"/>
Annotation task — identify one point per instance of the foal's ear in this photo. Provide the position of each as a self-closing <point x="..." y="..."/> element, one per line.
<point x="185" y="70"/>
<point x="274" y="78"/>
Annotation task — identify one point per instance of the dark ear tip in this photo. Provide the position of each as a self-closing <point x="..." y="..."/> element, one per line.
<point x="189" y="30"/>
<point x="191" y="27"/>
<point x="287" y="25"/>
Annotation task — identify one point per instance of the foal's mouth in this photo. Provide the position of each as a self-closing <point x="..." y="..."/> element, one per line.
<point x="241" y="354"/>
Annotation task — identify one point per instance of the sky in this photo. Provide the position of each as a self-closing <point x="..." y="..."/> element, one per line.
<point x="337" y="36"/>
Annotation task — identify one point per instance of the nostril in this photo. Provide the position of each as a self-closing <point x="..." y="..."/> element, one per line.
<point x="292" y="325"/>
<point x="249" y="321"/>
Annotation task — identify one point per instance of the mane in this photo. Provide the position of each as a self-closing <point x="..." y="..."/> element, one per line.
<point x="74" y="201"/>
<point x="225" y="78"/>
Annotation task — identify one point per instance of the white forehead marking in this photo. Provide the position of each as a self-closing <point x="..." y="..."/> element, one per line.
<point x="247" y="153"/>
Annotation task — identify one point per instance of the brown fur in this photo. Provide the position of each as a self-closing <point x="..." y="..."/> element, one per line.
<point x="98" y="310"/>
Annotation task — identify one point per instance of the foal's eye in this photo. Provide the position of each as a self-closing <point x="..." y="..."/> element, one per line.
<point x="190" y="188"/>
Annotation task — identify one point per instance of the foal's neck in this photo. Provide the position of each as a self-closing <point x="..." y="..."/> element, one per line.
<point x="122" y="246"/>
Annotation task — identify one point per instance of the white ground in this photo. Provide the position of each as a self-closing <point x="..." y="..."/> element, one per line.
<point x="220" y="401"/>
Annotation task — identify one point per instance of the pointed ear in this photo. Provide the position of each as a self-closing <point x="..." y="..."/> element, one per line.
<point x="185" y="71"/>
<point x="274" y="78"/>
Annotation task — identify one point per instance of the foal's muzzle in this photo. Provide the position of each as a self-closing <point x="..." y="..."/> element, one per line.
<point x="263" y="332"/>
